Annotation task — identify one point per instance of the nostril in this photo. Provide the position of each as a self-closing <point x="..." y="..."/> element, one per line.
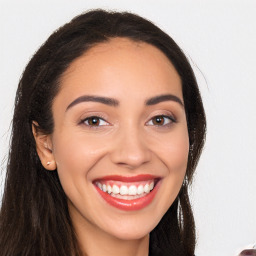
<point x="248" y="252"/>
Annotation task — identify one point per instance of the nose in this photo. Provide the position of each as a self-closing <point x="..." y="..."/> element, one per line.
<point x="130" y="149"/>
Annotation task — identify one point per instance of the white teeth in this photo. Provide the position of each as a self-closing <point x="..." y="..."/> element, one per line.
<point x="109" y="189"/>
<point x="123" y="190"/>
<point x="146" y="188"/>
<point x="115" y="189"/>
<point x="132" y="190"/>
<point x="151" y="186"/>
<point x="140" y="189"/>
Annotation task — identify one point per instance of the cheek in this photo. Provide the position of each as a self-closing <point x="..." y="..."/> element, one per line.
<point x="75" y="156"/>
<point x="174" y="155"/>
<point x="177" y="155"/>
<point x="174" y="152"/>
<point x="177" y="159"/>
<point x="75" y="150"/>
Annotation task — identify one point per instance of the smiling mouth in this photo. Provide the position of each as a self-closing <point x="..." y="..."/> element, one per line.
<point x="128" y="193"/>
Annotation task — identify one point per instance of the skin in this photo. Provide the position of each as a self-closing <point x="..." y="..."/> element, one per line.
<point x="127" y="141"/>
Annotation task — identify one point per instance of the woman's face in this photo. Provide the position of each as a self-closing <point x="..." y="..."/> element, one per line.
<point x="120" y="138"/>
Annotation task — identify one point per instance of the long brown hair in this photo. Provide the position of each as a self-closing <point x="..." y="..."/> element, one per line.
<point x="34" y="218"/>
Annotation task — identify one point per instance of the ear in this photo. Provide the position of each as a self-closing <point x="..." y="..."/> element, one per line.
<point x="44" y="147"/>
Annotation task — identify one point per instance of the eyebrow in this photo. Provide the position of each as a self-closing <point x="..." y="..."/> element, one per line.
<point x="114" y="103"/>
<point x="86" y="98"/>
<point x="164" y="97"/>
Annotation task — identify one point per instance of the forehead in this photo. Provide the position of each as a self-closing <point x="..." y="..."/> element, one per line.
<point x="121" y="64"/>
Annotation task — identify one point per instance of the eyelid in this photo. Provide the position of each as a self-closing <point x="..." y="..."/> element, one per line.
<point x="83" y="120"/>
<point x="168" y="116"/>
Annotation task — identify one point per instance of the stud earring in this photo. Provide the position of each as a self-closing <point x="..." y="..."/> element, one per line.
<point x="48" y="163"/>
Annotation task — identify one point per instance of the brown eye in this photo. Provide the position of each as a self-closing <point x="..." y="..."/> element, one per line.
<point x="94" y="121"/>
<point x="158" y="120"/>
<point x="161" y="120"/>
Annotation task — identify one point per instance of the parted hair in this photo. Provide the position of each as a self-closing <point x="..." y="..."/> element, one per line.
<point x="34" y="216"/>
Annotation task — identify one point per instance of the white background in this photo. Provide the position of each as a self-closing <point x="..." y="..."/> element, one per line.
<point x="219" y="37"/>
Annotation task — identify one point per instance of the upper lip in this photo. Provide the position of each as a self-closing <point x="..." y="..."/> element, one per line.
<point x="141" y="177"/>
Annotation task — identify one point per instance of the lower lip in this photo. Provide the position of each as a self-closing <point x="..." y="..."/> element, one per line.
<point x="129" y="205"/>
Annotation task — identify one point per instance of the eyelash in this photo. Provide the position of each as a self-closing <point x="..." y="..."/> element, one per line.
<point x="98" y="119"/>
<point x="165" y="118"/>
<point x="90" y="118"/>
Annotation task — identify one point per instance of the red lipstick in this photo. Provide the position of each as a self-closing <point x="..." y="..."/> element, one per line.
<point x="129" y="204"/>
<point x="141" y="177"/>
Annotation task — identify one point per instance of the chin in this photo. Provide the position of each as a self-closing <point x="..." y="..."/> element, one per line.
<point x="131" y="235"/>
<point x="133" y="231"/>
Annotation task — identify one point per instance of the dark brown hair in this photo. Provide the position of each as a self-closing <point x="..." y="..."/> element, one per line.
<point x="34" y="218"/>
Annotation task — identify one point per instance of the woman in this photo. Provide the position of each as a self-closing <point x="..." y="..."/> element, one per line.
<point x="107" y="131"/>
